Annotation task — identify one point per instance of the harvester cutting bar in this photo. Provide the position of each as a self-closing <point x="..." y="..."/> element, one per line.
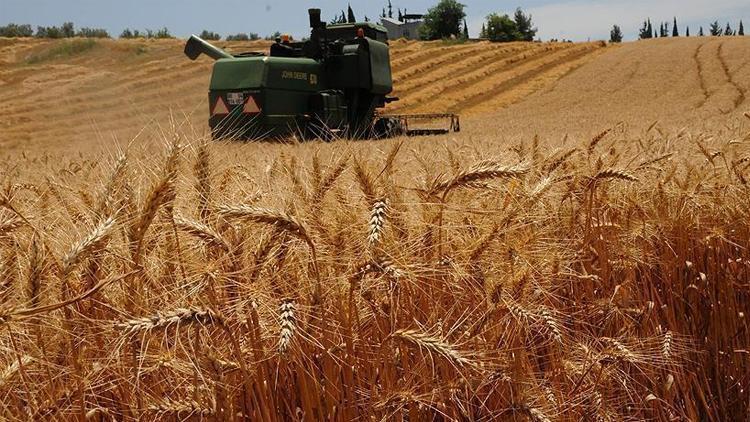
<point x="439" y="124"/>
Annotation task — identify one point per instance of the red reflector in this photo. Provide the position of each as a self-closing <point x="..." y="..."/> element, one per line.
<point x="251" y="107"/>
<point x="220" y="107"/>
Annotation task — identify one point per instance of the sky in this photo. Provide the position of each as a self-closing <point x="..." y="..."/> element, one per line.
<point x="578" y="20"/>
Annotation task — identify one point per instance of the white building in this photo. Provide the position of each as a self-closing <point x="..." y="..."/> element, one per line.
<point x="408" y="29"/>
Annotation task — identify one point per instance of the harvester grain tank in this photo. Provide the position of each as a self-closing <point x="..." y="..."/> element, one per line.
<point x="333" y="85"/>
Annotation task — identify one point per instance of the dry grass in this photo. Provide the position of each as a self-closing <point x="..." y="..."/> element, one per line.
<point x="603" y="280"/>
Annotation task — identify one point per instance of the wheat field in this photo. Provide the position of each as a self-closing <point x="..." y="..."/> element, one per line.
<point x="579" y="252"/>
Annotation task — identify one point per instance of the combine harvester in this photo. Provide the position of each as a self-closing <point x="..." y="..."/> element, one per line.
<point x="329" y="87"/>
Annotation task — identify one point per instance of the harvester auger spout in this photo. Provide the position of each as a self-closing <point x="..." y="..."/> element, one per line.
<point x="195" y="45"/>
<point x="333" y="85"/>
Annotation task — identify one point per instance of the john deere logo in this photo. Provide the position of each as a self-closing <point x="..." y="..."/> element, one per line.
<point x="313" y="79"/>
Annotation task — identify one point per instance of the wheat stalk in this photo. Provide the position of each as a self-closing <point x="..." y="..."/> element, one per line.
<point x="182" y="408"/>
<point x="202" y="170"/>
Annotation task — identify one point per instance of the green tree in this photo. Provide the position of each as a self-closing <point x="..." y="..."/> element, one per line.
<point x="466" y="30"/>
<point x="524" y="26"/>
<point x="687" y="31"/>
<point x="210" y="35"/>
<point x="163" y="33"/>
<point x="350" y="15"/>
<point x="68" y="30"/>
<point x="238" y="37"/>
<point x="675" y="33"/>
<point x="390" y="9"/>
<point x="742" y="29"/>
<point x="700" y="32"/>
<point x="615" y="35"/>
<point x="715" y="29"/>
<point x="92" y="33"/>
<point x="12" y="30"/>
<point x="501" y="28"/>
<point x="443" y="20"/>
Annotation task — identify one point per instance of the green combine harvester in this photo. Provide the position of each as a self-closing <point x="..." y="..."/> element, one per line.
<point x="331" y="86"/>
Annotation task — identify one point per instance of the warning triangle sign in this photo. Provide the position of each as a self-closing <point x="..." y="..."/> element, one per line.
<point x="220" y="107"/>
<point x="251" y="107"/>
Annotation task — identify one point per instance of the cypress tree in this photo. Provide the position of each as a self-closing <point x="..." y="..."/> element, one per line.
<point x="742" y="29"/>
<point x="645" y="32"/>
<point x="400" y="16"/>
<point x="650" y="30"/>
<point x="350" y="14"/>
<point x="615" y="36"/>
<point x="687" y="32"/>
<point x="700" y="32"/>
<point x="390" y="9"/>
<point x="675" y="33"/>
<point x="466" y="30"/>
<point x="483" y="32"/>
<point x="728" y="30"/>
<point x="715" y="29"/>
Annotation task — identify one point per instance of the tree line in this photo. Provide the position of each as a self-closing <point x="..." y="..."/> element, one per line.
<point x="648" y="30"/>
<point x="66" y="30"/>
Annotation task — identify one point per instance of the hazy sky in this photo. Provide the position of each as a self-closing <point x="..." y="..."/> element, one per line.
<point x="574" y="19"/>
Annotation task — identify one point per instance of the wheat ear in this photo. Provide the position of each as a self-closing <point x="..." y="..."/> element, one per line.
<point x="165" y="320"/>
<point x="90" y="244"/>
<point x="433" y="345"/>
<point x="596" y="139"/>
<point x="9" y="225"/>
<point x="482" y="171"/>
<point x="8" y="373"/>
<point x="201" y="231"/>
<point x="615" y="174"/>
<point x="287" y="324"/>
<point x="377" y="221"/>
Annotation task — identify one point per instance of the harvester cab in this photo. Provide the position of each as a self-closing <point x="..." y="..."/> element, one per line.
<point x="330" y="86"/>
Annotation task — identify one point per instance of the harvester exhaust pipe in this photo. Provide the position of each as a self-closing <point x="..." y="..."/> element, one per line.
<point x="196" y="45"/>
<point x="315" y="22"/>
